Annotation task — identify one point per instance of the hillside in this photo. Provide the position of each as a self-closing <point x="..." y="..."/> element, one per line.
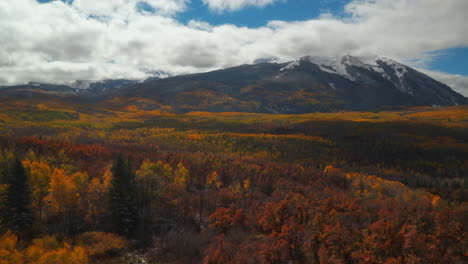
<point x="303" y="86"/>
<point x="310" y="84"/>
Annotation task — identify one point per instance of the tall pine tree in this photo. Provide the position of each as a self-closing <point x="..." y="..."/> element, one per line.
<point x="123" y="197"/>
<point x="19" y="216"/>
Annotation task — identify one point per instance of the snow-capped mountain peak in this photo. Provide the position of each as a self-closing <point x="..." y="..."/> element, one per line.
<point x="377" y="72"/>
<point x="394" y="72"/>
<point x="333" y="65"/>
<point x="345" y="66"/>
<point x="353" y="61"/>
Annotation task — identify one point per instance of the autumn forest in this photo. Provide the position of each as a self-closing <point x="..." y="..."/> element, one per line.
<point x="92" y="184"/>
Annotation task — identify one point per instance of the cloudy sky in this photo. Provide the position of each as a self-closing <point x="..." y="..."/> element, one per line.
<point x="61" y="41"/>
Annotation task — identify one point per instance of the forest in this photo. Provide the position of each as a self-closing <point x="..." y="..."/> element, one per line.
<point x="82" y="184"/>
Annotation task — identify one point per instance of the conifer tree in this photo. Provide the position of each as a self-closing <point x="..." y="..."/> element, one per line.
<point x="19" y="216"/>
<point x="123" y="197"/>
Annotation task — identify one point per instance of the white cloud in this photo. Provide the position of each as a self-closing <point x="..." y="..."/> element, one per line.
<point x="168" y="7"/>
<point x="126" y="8"/>
<point x="58" y="42"/>
<point x="234" y="5"/>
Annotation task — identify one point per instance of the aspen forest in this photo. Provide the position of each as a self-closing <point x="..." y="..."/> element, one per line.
<point x="123" y="186"/>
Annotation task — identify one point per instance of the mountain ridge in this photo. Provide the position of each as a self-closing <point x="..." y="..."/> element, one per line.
<point x="309" y="84"/>
<point x="301" y="86"/>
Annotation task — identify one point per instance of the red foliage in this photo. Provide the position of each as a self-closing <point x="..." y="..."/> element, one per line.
<point x="224" y="218"/>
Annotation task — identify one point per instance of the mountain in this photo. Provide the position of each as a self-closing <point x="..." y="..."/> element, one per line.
<point x="306" y="85"/>
<point x="77" y="88"/>
<point x="34" y="89"/>
<point x="107" y="86"/>
<point x="309" y="84"/>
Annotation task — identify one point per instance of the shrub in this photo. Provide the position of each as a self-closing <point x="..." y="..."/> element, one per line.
<point x="48" y="250"/>
<point x="8" y="252"/>
<point x="100" y="244"/>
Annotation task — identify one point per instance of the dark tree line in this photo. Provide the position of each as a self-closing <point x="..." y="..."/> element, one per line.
<point x="123" y="197"/>
<point x="18" y="215"/>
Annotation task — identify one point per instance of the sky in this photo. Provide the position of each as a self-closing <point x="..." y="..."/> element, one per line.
<point x="57" y="41"/>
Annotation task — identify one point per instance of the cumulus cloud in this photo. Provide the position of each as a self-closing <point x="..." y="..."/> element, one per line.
<point x="88" y="39"/>
<point x="234" y="5"/>
<point x="126" y="8"/>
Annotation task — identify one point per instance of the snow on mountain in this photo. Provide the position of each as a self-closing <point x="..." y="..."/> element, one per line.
<point x="386" y="68"/>
<point x="372" y="75"/>
<point x="333" y="65"/>
<point x="399" y="71"/>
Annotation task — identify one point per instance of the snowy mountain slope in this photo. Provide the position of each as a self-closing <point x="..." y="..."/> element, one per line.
<point x="383" y="72"/>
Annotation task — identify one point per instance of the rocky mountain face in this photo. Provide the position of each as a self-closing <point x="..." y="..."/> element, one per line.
<point x="383" y="72"/>
<point x="308" y="84"/>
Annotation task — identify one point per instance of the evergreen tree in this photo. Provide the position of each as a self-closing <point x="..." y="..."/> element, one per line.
<point x="6" y="158"/>
<point x="123" y="197"/>
<point x="19" y="216"/>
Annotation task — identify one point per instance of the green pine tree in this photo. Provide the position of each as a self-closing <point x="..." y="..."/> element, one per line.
<point x="123" y="197"/>
<point x="19" y="216"/>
